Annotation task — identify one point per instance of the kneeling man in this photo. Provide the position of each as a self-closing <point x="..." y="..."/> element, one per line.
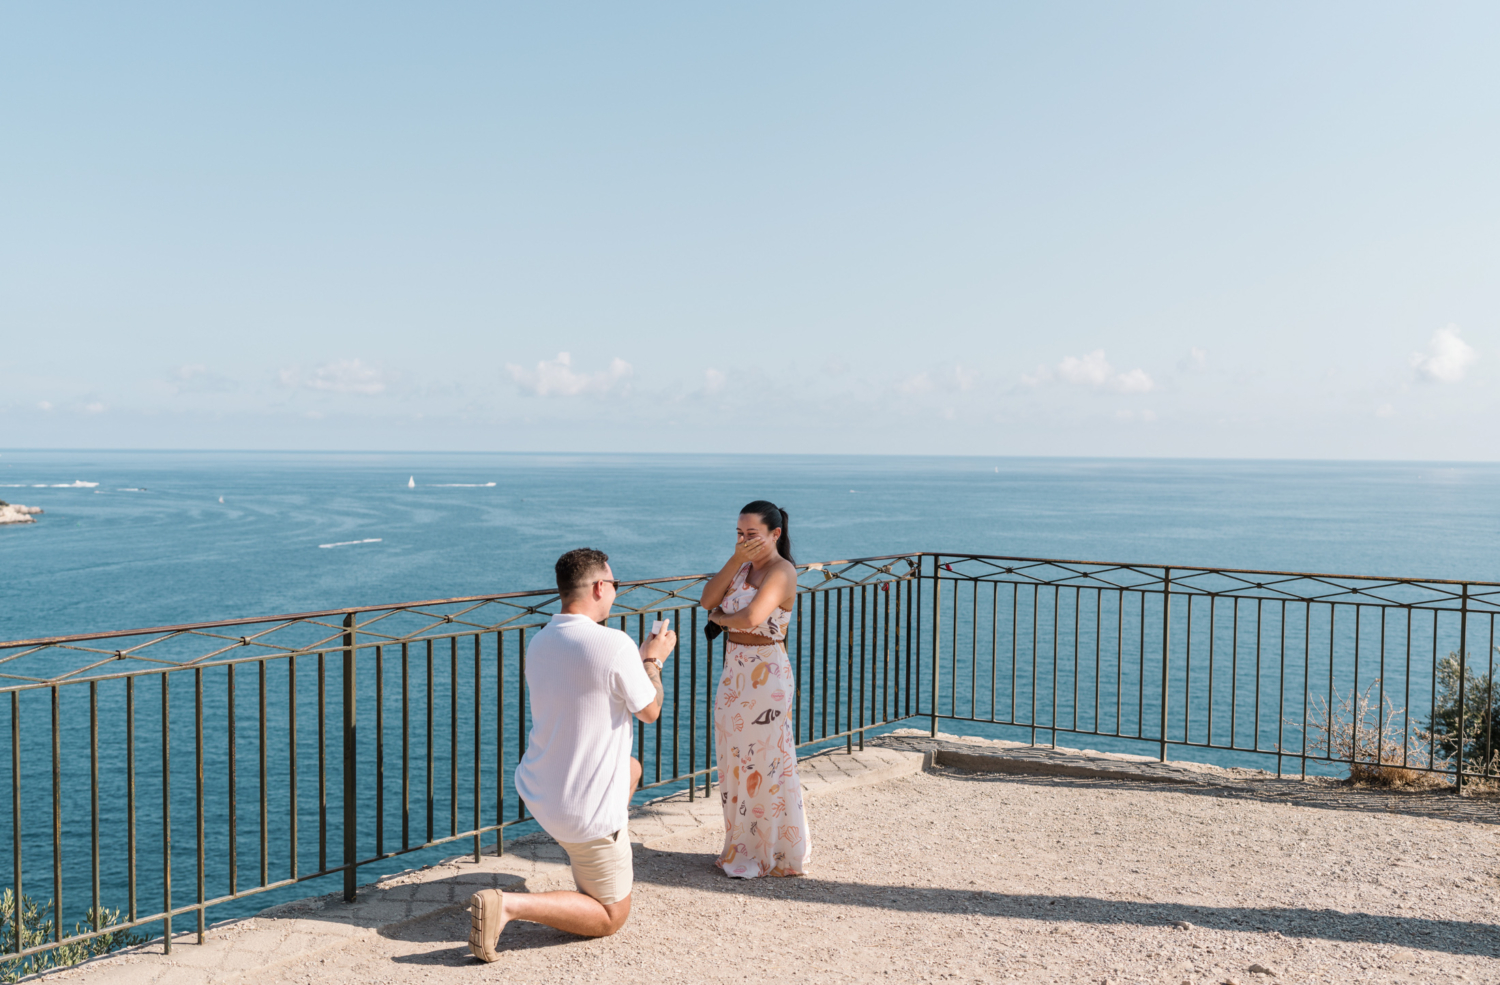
<point x="586" y="683"/>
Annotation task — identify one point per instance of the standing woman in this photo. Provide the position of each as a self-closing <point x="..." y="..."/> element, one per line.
<point x="765" y="832"/>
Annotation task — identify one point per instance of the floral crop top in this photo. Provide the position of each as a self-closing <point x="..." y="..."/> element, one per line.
<point x="740" y="595"/>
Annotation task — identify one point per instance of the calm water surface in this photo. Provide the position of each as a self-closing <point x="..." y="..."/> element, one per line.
<point x="152" y="543"/>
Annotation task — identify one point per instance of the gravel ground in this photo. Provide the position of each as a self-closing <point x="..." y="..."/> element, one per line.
<point x="950" y="876"/>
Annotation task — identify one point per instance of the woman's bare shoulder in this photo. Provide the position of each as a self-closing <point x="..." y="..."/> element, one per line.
<point x="787" y="570"/>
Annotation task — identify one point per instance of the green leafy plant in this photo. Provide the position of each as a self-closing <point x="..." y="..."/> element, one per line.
<point x="1476" y="741"/>
<point x="37" y="929"/>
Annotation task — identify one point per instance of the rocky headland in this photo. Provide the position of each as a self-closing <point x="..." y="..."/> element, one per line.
<point x="16" y="513"/>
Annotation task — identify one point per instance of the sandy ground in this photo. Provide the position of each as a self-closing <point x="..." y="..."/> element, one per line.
<point x="965" y="877"/>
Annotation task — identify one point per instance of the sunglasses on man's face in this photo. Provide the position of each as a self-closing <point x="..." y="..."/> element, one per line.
<point x="614" y="582"/>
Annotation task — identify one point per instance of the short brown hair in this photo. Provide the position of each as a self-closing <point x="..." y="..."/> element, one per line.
<point x="574" y="568"/>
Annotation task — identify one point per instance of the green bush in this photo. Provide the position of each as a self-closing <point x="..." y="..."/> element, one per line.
<point x="1479" y="741"/>
<point x="38" y="929"/>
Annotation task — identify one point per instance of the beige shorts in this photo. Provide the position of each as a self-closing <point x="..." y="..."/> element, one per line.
<point x="603" y="868"/>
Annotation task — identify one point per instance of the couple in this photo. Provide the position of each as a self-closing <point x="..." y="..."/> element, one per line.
<point x="587" y="681"/>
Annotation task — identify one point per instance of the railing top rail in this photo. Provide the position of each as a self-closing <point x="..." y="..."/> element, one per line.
<point x="1139" y="566"/>
<point x="547" y="595"/>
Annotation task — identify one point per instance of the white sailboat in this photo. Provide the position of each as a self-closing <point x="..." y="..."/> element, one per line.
<point x="411" y="483"/>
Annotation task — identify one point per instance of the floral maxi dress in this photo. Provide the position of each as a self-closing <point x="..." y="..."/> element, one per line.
<point x="765" y="831"/>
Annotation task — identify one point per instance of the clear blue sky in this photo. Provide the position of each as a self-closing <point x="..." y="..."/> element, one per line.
<point x="1182" y="229"/>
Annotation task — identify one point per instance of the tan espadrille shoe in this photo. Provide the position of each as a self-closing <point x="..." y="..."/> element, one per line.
<point x="484" y="924"/>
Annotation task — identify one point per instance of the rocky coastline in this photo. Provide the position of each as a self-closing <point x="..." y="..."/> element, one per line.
<point x="16" y="513"/>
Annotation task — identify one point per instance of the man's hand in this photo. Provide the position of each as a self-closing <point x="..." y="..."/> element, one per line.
<point x="654" y="652"/>
<point x="656" y="649"/>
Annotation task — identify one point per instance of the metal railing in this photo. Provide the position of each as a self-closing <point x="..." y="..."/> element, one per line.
<point x="1341" y="670"/>
<point x="255" y="755"/>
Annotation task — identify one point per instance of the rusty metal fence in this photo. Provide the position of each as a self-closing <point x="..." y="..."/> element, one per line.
<point x="156" y="774"/>
<point x="164" y="772"/>
<point x="1277" y="667"/>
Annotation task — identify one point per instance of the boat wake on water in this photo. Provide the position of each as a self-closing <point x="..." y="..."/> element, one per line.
<point x="75" y="484"/>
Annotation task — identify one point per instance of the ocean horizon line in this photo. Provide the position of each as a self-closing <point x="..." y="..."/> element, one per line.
<point x="934" y="456"/>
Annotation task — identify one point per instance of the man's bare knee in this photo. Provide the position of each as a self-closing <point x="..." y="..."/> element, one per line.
<point x="618" y="913"/>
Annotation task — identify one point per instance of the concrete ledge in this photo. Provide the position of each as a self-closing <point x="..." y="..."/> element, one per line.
<point x="992" y="763"/>
<point x="977" y="754"/>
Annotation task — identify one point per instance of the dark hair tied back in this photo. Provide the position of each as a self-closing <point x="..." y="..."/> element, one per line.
<point x="773" y="516"/>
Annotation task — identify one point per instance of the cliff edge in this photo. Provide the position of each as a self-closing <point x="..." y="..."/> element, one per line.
<point x="17" y="513"/>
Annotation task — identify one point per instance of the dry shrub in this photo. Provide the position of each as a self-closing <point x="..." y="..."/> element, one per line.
<point x="1386" y="774"/>
<point x="1383" y="748"/>
<point x="1370" y="738"/>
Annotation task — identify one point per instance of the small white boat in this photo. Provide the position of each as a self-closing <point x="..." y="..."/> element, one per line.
<point x="411" y="483"/>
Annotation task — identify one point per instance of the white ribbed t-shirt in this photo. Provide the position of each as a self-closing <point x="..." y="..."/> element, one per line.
<point x="586" y="683"/>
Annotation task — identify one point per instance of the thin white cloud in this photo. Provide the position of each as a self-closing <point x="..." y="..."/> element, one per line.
<point x="1094" y="371"/>
<point x="94" y="408"/>
<point x="44" y="405"/>
<point x="348" y="376"/>
<point x="1091" y="370"/>
<point x="1135" y="381"/>
<point x="956" y="380"/>
<point x="196" y="378"/>
<point x="713" y="381"/>
<point x="913" y="385"/>
<point x="1447" y="358"/>
<point x="556" y="377"/>
<point x="339" y="376"/>
<point x="1196" y="361"/>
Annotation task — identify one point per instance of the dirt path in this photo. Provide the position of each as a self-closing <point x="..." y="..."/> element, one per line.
<point x="966" y="877"/>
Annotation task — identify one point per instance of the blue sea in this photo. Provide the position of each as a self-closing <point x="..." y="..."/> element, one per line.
<point x="156" y="538"/>
<point x="136" y="539"/>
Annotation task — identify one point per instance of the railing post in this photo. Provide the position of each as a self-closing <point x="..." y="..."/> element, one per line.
<point x="1463" y="647"/>
<point x="937" y="622"/>
<point x="1166" y="652"/>
<point x="351" y="812"/>
<point x="18" y="917"/>
<point x="166" y="812"/>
